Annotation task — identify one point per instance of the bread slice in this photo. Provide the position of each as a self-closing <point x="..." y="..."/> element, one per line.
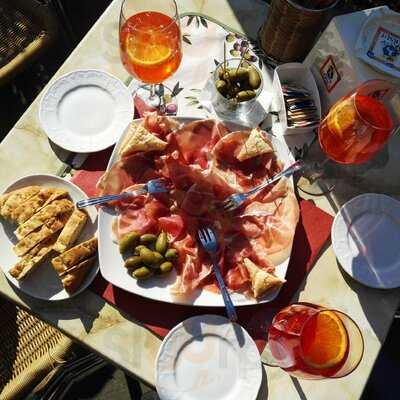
<point x="29" y="207"/>
<point x="52" y="210"/>
<point x="75" y="255"/>
<point x="57" y="194"/>
<point x="12" y="200"/>
<point x="140" y="139"/>
<point x="47" y="229"/>
<point x="35" y="257"/>
<point x="255" y="145"/>
<point x="71" y="230"/>
<point x="72" y="278"/>
<point x="261" y="280"/>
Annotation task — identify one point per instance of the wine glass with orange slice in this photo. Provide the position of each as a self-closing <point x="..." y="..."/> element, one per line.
<point x="150" y="48"/>
<point x="356" y="128"/>
<point x="312" y="342"/>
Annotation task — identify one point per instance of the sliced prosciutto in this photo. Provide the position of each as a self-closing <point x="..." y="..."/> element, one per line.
<point x="202" y="166"/>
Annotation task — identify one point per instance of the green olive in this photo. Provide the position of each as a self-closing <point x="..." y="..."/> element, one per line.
<point x="133" y="262"/>
<point x="128" y="241"/>
<point x="142" y="273"/>
<point x="238" y="74"/>
<point x="245" y="95"/>
<point x="171" y="254"/>
<point x="162" y="243"/>
<point x="221" y="86"/>
<point x="138" y="248"/>
<point x="254" y="78"/>
<point x="159" y="258"/>
<point x="166" y="267"/>
<point x="147" y="256"/>
<point x="148" y="238"/>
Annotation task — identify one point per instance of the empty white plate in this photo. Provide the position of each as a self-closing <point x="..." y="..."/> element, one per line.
<point x="208" y="357"/>
<point x="366" y="237"/>
<point x="44" y="282"/>
<point x="86" y="111"/>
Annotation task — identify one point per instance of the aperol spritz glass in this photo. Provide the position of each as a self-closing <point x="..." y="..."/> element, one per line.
<point x="150" y="46"/>
<point x="357" y="127"/>
<point x="313" y="342"/>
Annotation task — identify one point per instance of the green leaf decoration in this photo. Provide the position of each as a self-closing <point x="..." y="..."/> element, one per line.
<point x="203" y="22"/>
<point x="193" y="103"/>
<point x="186" y="39"/>
<point x="190" y="97"/>
<point x="197" y="21"/>
<point x="195" y="90"/>
<point x="176" y="90"/>
<point x="190" y="20"/>
<point x="200" y="107"/>
<point x="216" y="62"/>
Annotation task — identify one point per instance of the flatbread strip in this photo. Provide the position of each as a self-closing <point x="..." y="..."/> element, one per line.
<point x="35" y="257"/>
<point x="75" y="255"/>
<point x="71" y="230"/>
<point x="28" y="208"/>
<point x="10" y="201"/>
<point x="51" y="226"/>
<point x="72" y="278"/>
<point x="55" y="208"/>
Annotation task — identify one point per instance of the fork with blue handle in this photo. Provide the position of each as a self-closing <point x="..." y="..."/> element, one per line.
<point x="209" y="242"/>
<point x="153" y="186"/>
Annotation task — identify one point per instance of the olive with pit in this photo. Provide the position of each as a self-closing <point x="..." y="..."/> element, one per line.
<point x="148" y="238"/>
<point x="141" y="273"/>
<point x="254" y="78"/>
<point x="245" y="95"/>
<point x="133" y="262"/>
<point x="158" y="257"/>
<point x="171" y="254"/>
<point x="166" y="267"/>
<point x="162" y="243"/>
<point x="138" y="248"/>
<point x="221" y="86"/>
<point x="238" y="74"/>
<point x="147" y="256"/>
<point x="128" y="241"/>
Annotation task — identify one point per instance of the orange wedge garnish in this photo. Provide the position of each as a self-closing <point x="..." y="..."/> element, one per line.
<point x="341" y="117"/>
<point x="324" y="341"/>
<point x="147" y="54"/>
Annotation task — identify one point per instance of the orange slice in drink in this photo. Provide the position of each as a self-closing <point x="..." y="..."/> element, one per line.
<point x="324" y="341"/>
<point x="147" y="55"/>
<point x="342" y="117"/>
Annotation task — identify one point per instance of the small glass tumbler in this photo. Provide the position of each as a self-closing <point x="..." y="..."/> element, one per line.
<point x="230" y="108"/>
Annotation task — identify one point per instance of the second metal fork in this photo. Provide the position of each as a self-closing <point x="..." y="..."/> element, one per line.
<point x="236" y="200"/>
<point x="209" y="242"/>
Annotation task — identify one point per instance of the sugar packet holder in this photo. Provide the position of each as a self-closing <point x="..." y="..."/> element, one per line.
<point x="298" y="75"/>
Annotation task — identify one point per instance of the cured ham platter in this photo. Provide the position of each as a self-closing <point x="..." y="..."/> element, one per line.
<point x="203" y="161"/>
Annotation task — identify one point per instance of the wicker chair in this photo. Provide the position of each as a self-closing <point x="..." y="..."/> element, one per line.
<point x="27" y="27"/>
<point x="29" y="350"/>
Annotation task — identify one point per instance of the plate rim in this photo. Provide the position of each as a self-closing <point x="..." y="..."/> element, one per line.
<point x="89" y="278"/>
<point x="66" y="75"/>
<point x="177" y="300"/>
<point x="203" y="317"/>
<point x="339" y="258"/>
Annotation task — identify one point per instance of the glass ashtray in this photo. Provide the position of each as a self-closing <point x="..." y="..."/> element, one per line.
<point x="237" y="98"/>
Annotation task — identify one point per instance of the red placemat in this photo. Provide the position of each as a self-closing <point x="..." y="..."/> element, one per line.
<point x="312" y="231"/>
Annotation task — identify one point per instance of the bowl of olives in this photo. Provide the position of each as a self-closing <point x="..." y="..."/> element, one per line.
<point x="237" y="84"/>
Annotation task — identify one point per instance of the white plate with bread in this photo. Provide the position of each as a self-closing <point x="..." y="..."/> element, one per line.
<point x="49" y="249"/>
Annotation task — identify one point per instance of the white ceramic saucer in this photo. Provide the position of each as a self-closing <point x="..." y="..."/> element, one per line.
<point x="366" y="240"/>
<point x="208" y="357"/>
<point x="86" y="111"/>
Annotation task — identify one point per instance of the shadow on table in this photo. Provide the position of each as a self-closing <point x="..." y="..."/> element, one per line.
<point x="86" y="307"/>
<point x="250" y="15"/>
<point x="375" y="303"/>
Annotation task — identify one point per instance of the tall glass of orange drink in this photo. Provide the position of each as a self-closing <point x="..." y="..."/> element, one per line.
<point x="356" y="128"/>
<point x="313" y="342"/>
<point x="150" y="45"/>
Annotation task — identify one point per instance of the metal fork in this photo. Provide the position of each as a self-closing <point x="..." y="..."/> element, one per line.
<point x="209" y="242"/>
<point x="151" y="187"/>
<point x="236" y="200"/>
